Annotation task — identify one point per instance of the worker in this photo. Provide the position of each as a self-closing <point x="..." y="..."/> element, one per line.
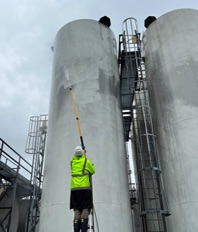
<point x="81" y="199"/>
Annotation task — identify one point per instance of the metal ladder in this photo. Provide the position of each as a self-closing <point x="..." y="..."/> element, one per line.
<point x="92" y="216"/>
<point x="35" y="145"/>
<point x="153" y="207"/>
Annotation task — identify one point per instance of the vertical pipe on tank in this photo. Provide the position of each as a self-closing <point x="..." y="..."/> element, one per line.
<point x="85" y="51"/>
<point x="172" y="73"/>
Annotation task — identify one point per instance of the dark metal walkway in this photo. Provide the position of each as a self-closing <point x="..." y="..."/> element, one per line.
<point x="14" y="167"/>
<point x="128" y="79"/>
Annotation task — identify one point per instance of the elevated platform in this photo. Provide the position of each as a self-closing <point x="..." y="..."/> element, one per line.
<point x="24" y="186"/>
<point x="15" y="169"/>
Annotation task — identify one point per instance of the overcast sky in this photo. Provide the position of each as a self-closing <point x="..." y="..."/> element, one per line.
<point x="27" y="31"/>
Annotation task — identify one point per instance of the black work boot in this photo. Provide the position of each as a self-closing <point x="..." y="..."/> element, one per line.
<point x="77" y="225"/>
<point x="84" y="225"/>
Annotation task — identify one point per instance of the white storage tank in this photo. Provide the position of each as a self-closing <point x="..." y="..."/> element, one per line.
<point x="85" y="51"/>
<point x="171" y="58"/>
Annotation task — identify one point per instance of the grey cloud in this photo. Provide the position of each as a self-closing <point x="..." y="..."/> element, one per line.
<point x="28" y="29"/>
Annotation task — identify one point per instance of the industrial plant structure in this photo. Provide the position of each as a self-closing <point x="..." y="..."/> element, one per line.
<point x="144" y="95"/>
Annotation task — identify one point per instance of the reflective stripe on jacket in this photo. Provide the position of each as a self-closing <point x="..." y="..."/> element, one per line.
<point x="81" y="170"/>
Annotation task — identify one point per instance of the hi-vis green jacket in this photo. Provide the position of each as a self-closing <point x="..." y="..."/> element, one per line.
<point x="81" y="170"/>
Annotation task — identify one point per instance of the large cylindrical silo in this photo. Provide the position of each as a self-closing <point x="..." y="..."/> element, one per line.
<point x="85" y="54"/>
<point x="172" y="73"/>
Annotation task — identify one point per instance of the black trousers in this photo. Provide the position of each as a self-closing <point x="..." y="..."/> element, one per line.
<point x="81" y="199"/>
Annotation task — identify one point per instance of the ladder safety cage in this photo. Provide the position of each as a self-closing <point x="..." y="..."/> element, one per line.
<point x="127" y="59"/>
<point x="153" y="207"/>
<point x="128" y="84"/>
<point x="35" y="145"/>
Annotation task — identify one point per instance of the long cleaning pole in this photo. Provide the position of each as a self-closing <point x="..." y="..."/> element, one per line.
<point x="75" y="109"/>
<point x="77" y="118"/>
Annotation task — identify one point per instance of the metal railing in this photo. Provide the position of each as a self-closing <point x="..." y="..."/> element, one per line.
<point x="9" y="158"/>
<point x="15" y="173"/>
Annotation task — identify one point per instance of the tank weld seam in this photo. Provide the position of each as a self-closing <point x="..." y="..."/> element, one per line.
<point x="58" y="203"/>
<point x="171" y="61"/>
<point x="184" y="203"/>
<point x="169" y="125"/>
<point x="100" y="202"/>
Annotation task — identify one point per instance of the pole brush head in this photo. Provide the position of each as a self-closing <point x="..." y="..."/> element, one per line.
<point x="67" y="79"/>
<point x="67" y="74"/>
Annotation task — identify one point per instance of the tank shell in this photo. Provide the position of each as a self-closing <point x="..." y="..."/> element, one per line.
<point x="85" y="53"/>
<point x="7" y="201"/>
<point x="172" y="72"/>
<point x="24" y="206"/>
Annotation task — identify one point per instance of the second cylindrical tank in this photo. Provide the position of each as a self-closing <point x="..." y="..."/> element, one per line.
<point x="171" y="65"/>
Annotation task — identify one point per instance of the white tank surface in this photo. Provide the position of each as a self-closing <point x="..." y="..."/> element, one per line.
<point x="85" y="53"/>
<point x="172" y="73"/>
